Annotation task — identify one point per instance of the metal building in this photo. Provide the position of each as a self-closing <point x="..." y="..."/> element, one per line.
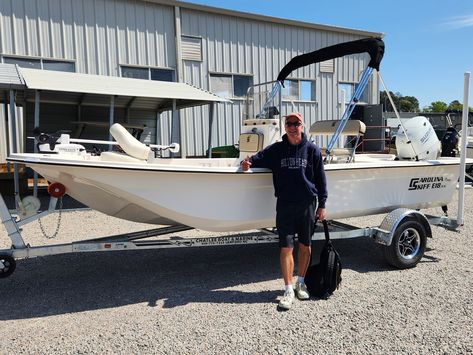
<point x="218" y="50"/>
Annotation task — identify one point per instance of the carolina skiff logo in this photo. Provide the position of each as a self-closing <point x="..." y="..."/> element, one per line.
<point x="431" y="182"/>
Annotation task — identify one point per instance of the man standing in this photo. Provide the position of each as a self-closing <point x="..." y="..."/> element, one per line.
<point x="301" y="191"/>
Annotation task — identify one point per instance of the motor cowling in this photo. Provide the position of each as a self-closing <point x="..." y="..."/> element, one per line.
<point x="417" y="139"/>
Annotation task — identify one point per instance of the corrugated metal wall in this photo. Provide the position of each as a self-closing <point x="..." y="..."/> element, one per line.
<point x="244" y="46"/>
<point x="98" y="35"/>
<point x="101" y="35"/>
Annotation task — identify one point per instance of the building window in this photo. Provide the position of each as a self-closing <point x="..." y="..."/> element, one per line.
<point x="38" y="63"/>
<point x="147" y="73"/>
<point x="290" y="91"/>
<point x="162" y="74"/>
<point x="241" y="83"/>
<point x="307" y="91"/>
<point x="24" y="62"/>
<point x="59" y="66"/>
<point x="301" y="90"/>
<point x="230" y="86"/>
<point x="346" y="91"/>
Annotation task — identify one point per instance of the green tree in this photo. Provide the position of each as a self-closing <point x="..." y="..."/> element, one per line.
<point x="455" y="105"/>
<point x="403" y="103"/>
<point x="413" y="101"/>
<point x="436" y="106"/>
<point x="406" y="105"/>
<point x="386" y="103"/>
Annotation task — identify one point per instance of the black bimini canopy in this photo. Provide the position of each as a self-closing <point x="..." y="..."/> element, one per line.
<point x="373" y="46"/>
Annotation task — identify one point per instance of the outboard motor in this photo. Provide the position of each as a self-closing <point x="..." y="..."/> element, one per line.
<point x="450" y="141"/>
<point x="421" y="142"/>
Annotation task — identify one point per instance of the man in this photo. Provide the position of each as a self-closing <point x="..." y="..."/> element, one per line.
<point x="300" y="187"/>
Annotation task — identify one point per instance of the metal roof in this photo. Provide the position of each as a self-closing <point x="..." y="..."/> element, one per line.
<point x="10" y="78"/>
<point x="96" y="90"/>
<point x="266" y="18"/>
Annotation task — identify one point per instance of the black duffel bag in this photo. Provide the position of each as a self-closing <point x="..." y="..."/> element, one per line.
<point x="324" y="278"/>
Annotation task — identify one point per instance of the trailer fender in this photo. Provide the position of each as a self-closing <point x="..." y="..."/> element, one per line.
<point x="387" y="228"/>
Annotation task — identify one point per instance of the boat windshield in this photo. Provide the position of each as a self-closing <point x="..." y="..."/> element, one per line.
<point x="263" y="101"/>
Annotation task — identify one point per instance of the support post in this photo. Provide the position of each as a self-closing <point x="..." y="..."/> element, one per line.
<point x="12" y="124"/>
<point x="36" y="124"/>
<point x="211" y="120"/>
<point x="174" y="125"/>
<point x="14" y="146"/>
<point x="183" y="133"/>
<point x="461" y="187"/>
<point x="177" y="28"/>
<point x="111" y="118"/>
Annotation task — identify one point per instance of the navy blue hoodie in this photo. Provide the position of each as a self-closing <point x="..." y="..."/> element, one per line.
<point x="298" y="170"/>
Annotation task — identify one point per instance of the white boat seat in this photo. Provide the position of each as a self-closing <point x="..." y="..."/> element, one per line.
<point x="352" y="128"/>
<point x="118" y="157"/>
<point x="130" y="145"/>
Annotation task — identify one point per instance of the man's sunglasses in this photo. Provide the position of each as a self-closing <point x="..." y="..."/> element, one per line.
<point x="293" y="124"/>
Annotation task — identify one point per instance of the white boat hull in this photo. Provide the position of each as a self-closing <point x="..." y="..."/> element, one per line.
<point x="226" y="199"/>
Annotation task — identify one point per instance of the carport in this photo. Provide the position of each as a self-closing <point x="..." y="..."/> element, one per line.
<point x="23" y="85"/>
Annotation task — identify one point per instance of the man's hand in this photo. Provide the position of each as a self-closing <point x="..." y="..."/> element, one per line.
<point x="246" y="164"/>
<point x="320" y="214"/>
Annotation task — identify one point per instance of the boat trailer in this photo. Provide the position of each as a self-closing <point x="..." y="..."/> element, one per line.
<point x="403" y="234"/>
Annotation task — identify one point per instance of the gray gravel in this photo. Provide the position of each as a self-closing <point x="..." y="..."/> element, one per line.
<point x="223" y="299"/>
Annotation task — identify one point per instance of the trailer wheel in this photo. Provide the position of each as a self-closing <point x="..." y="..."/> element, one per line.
<point x="407" y="246"/>
<point x="7" y="265"/>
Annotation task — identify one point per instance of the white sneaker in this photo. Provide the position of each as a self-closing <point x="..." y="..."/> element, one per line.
<point x="287" y="300"/>
<point x="301" y="291"/>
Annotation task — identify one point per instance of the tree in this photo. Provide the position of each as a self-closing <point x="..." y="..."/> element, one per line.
<point x="402" y="103"/>
<point x="455" y="105"/>
<point x="409" y="104"/>
<point x="406" y="105"/>
<point x="386" y="103"/>
<point x="436" y="106"/>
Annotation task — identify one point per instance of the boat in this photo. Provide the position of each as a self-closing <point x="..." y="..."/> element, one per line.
<point x="214" y="194"/>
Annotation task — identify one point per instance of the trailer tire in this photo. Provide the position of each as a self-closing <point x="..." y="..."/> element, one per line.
<point x="9" y="265"/>
<point x="408" y="244"/>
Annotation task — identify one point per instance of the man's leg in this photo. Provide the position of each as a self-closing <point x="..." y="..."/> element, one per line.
<point x="287" y="268"/>
<point x="287" y="264"/>
<point x="303" y="259"/>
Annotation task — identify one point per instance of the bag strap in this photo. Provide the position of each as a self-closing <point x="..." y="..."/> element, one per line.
<point x="327" y="235"/>
<point x="327" y="238"/>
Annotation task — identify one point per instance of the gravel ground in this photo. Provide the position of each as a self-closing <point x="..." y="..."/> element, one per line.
<point x="224" y="299"/>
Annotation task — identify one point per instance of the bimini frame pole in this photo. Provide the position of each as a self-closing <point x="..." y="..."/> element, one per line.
<point x="461" y="185"/>
<point x="365" y="76"/>
<point x="373" y="46"/>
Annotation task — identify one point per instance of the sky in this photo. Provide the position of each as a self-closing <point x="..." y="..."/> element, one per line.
<point x="429" y="43"/>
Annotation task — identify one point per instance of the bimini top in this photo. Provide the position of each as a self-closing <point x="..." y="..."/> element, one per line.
<point x="87" y="89"/>
<point x="373" y="46"/>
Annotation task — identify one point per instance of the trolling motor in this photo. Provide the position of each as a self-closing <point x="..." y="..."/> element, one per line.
<point x="52" y="139"/>
<point x="58" y="142"/>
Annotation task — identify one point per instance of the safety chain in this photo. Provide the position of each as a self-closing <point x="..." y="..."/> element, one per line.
<point x="58" y="223"/>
